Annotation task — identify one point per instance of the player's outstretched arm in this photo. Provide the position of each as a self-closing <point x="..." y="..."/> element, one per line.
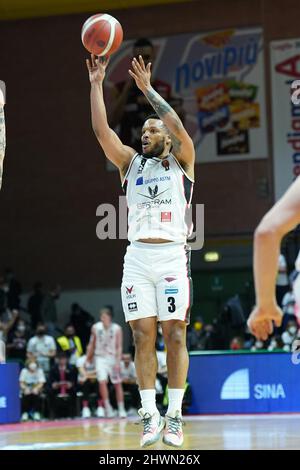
<point x="282" y="218"/>
<point x="112" y="146"/>
<point x="183" y="147"/>
<point x="2" y="134"/>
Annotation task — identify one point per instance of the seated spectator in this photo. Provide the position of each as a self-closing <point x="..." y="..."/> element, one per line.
<point x="42" y="347"/>
<point x="70" y="344"/>
<point x="129" y="381"/>
<point x="289" y="335"/>
<point x="17" y="342"/>
<point x="88" y="384"/>
<point x="62" y="387"/>
<point x="236" y="343"/>
<point x="275" y="344"/>
<point x="32" y="380"/>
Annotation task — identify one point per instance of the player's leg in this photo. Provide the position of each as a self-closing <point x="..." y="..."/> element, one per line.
<point x="102" y="377"/>
<point x="174" y="297"/>
<point x="144" y="335"/>
<point x="115" y="377"/>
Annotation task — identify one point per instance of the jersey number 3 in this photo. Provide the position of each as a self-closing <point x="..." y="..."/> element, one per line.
<point x="172" y="306"/>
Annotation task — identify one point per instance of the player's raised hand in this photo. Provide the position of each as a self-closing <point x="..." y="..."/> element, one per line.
<point x="96" y="67"/>
<point x="260" y="322"/>
<point x="141" y="73"/>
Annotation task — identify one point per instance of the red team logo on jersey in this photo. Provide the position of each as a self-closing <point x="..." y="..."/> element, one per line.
<point x="165" y="216"/>
<point x="129" y="290"/>
<point x="166" y="164"/>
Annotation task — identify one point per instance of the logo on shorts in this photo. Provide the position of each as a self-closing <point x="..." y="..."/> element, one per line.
<point x="132" y="307"/>
<point x="170" y="279"/>
<point x="129" y="294"/>
<point x="171" y="291"/>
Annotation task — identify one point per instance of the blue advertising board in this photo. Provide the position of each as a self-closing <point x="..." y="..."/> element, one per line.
<point x="9" y="393"/>
<point x="244" y="383"/>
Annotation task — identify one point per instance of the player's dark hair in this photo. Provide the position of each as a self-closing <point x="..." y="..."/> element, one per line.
<point x="143" y="42"/>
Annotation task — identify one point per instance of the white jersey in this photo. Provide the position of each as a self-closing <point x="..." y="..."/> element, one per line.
<point x="159" y="192"/>
<point x="107" y="341"/>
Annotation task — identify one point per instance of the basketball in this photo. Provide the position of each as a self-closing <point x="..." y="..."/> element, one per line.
<point x="102" y="34"/>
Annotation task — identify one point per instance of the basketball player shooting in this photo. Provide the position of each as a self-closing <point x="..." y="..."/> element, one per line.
<point x="156" y="283"/>
<point x="2" y="129"/>
<point x="282" y="218"/>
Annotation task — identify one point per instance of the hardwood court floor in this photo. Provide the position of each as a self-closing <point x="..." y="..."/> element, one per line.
<point x="281" y="431"/>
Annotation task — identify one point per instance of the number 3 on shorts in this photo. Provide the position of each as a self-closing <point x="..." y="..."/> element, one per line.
<point x="172" y="306"/>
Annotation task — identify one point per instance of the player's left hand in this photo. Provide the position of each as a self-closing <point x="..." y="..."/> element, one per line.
<point x="260" y="322"/>
<point x="141" y="73"/>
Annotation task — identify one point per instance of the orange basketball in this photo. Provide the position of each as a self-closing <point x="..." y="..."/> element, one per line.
<point x="102" y="34"/>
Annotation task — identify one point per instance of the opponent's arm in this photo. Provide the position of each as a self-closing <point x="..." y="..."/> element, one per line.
<point x="183" y="147"/>
<point x="282" y="218"/>
<point x="112" y="146"/>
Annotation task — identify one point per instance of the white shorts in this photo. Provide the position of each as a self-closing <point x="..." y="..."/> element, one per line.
<point x="157" y="282"/>
<point x="105" y="370"/>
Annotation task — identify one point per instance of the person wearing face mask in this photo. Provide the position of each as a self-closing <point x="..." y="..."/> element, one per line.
<point x="70" y="344"/>
<point x="17" y="342"/>
<point x="289" y="335"/>
<point x="42" y="347"/>
<point x="32" y="380"/>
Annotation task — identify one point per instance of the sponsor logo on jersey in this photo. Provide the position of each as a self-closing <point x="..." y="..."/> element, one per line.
<point x="170" y="279"/>
<point x="154" y="203"/>
<point x="157" y="179"/>
<point x="141" y="167"/>
<point x="171" y="291"/>
<point x="153" y="192"/>
<point x="165" y="216"/>
<point x="166" y="164"/>
<point x="139" y="181"/>
<point x="132" y="307"/>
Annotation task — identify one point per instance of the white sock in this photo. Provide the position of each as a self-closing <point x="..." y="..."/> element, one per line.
<point x="175" y="401"/>
<point x="121" y="406"/>
<point x="148" y="399"/>
<point x="107" y="404"/>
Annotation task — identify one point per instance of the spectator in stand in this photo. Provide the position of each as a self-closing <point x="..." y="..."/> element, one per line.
<point x="288" y="308"/>
<point x="82" y="322"/>
<point x="17" y="342"/>
<point x="42" y="347"/>
<point x="88" y="384"/>
<point x="237" y="343"/>
<point x="130" y="107"/>
<point x="49" y="310"/>
<point x="62" y="384"/>
<point x="289" y="335"/>
<point x="129" y="381"/>
<point x="32" y="380"/>
<point x="14" y="290"/>
<point x="194" y="335"/>
<point x="70" y="344"/>
<point x="35" y="304"/>
<point x="7" y="321"/>
<point x="275" y="344"/>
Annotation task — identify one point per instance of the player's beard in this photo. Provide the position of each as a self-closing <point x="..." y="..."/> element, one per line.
<point x="156" y="150"/>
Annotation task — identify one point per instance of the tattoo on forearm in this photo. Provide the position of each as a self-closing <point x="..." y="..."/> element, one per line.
<point x="158" y="103"/>
<point x="176" y="144"/>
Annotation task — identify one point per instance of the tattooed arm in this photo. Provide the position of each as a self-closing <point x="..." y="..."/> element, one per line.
<point x="2" y="135"/>
<point x="183" y="147"/>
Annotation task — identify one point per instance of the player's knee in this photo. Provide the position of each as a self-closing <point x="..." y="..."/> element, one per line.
<point x="141" y="339"/>
<point x="175" y="337"/>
